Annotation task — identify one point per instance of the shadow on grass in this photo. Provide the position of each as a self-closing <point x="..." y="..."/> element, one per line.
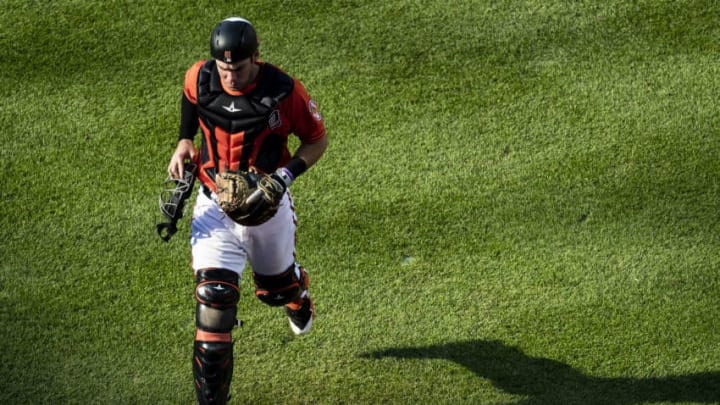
<point x="545" y="381"/>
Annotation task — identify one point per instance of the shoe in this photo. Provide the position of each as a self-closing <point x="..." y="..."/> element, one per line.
<point x="301" y="318"/>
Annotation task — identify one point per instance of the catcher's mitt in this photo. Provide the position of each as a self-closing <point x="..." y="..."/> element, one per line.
<point x="248" y="198"/>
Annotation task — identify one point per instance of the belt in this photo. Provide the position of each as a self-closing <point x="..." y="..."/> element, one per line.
<point x="206" y="191"/>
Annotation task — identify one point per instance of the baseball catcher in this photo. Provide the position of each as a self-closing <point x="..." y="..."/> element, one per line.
<point x="245" y="111"/>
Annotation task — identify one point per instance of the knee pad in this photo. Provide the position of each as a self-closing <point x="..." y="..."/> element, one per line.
<point x="217" y="294"/>
<point x="283" y="288"/>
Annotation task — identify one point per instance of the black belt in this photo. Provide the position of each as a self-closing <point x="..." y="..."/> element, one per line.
<point x="206" y="191"/>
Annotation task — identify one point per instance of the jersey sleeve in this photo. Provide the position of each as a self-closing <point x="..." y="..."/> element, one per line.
<point x="307" y="121"/>
<point x="190" y="85"/>
<point x="188" y="104"/>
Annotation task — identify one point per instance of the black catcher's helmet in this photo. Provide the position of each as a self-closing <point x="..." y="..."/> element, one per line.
<point x="233" y="39"/>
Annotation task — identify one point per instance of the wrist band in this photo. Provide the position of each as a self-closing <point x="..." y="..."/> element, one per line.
<point x="285" y="175"/>
<point x="296" y="166"/>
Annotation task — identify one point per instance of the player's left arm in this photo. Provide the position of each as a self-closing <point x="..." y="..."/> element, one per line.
<point x="308" y="125"/>
<point x="310" y="153"/>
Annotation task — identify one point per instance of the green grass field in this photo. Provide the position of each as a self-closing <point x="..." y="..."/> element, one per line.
<point x="520" y="203"/>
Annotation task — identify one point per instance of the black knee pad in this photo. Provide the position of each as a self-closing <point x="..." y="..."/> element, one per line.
<point x="217" y="294"/>
<point x="282" y="288"/>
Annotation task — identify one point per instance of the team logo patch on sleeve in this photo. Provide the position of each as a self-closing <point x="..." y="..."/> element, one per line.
<point x="312" y="107"/>
<point x="274" y="120"/>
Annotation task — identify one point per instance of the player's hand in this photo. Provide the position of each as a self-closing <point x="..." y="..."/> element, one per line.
<point x="184" y="150"/>
<point x="273" y="188"/>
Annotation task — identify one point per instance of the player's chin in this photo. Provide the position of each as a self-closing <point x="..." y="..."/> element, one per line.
<point x="231" y="86"/>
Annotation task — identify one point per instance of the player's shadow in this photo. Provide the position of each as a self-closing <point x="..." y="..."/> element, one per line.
<point x="545" y="381"/>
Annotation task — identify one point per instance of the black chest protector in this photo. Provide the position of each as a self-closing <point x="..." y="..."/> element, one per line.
<point x="247" y="114"/>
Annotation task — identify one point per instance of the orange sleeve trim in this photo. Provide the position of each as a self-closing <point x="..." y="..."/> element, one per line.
<point x="191" y="77"/>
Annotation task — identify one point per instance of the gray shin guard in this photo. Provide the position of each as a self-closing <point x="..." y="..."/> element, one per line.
<point x="217" y="294"/>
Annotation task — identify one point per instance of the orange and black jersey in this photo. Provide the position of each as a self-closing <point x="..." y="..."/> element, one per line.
<point x="248" y="128"/>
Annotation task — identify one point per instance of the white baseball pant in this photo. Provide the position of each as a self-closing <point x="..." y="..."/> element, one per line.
<point x="219" y="242"/>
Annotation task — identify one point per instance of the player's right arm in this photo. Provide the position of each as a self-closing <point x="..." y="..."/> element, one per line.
<point x="185" y="150"/>
<point x="188" y="124"/>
